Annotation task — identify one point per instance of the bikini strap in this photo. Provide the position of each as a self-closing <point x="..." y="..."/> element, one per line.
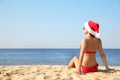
<point x="88" y="52"/>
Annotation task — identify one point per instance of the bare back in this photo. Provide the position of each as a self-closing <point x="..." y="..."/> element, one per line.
<point x="92" y="45"/>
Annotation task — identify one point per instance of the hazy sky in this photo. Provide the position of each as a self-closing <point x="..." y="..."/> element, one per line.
<point x="56" y="23"/>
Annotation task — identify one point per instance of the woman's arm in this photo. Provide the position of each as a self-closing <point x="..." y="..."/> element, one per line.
<point x="102" y="54"/>
<point x="83" y="44"/>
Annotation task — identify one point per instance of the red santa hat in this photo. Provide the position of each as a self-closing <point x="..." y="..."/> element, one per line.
<point x="92" y="28"/>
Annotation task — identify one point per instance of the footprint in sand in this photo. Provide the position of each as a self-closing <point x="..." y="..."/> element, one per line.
<point x="47" y="77"/>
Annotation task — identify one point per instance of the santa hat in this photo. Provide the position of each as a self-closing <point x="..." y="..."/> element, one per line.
<point x="92" y="28"/>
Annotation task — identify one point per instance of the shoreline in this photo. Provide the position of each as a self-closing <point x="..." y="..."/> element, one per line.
<point x="53" y="72"/>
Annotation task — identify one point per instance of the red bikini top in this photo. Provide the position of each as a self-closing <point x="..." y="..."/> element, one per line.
<point x="89" y="52"/>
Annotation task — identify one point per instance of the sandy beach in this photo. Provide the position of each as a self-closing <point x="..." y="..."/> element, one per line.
<point x="53" y="72"/>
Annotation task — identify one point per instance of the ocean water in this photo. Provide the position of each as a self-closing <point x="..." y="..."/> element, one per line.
<point x="51" y="56"/>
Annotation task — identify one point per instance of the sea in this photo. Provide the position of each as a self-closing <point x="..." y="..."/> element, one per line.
<point x="51" y="56"/>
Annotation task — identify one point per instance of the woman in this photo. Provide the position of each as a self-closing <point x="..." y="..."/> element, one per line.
<point x="87" y="61"/>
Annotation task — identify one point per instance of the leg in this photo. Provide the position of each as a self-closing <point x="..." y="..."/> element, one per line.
<point x="73" y="63"/>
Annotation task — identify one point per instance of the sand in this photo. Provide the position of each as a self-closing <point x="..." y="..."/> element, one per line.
<point x="53" y="72"/>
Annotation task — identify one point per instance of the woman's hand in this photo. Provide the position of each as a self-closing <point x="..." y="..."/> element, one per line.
<point x="78" y="72"/>
<point x="110" y="70"/>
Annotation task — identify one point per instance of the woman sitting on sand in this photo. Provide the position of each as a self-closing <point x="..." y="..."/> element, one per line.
<point x="87" y="61"/>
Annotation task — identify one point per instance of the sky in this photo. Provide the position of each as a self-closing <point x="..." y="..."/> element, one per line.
<point x="57" y="23"/>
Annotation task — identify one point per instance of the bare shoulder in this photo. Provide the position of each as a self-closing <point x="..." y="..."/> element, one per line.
<point x="100" y="45"/>
<point x="84" y="40"/>
<point x="99" y="40"/>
